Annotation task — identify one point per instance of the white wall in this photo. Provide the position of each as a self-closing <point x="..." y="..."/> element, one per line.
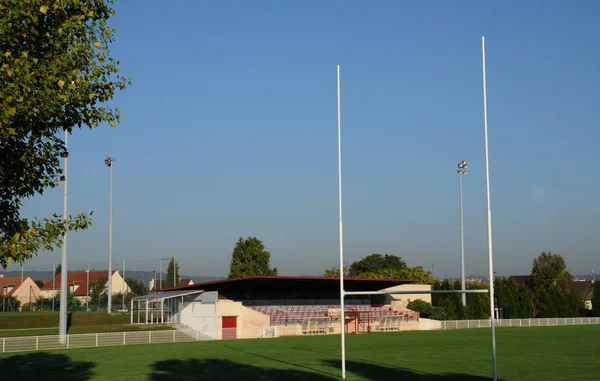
<point x="406" y="298"/>
<point x="201" y="317"/>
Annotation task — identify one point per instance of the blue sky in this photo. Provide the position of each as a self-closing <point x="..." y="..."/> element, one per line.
<point x="230" y="130"/>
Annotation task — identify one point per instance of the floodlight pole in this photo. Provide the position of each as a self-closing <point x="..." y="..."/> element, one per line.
<point x="462" y="170"/>
<point x="489" y="213"/>
<point x="53" y="282"/>
<point x="21" y="288"/>
<point x="109" y="161"/>
<point x="62" y="321"/>
<point x="123" y="287"/>
<point x="341" y="234"/>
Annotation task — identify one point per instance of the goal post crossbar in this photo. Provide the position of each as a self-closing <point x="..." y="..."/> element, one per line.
<point x="419" y="292"/>
<point x="344" y="293"/>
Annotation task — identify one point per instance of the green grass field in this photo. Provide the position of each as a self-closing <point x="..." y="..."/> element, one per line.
<point x="548" y="353"/>
<point x="14" y="324"/>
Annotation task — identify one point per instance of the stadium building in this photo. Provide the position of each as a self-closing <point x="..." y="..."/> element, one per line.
<point x="282" y="305"/>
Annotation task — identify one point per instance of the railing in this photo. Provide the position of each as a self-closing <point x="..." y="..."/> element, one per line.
<point x="548" y="322"/>
<point x="52" y="342"/>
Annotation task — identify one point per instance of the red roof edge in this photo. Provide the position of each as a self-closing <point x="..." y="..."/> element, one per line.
<point x="289" y="277"/>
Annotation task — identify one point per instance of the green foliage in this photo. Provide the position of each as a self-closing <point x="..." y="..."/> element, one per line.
<point x="58" y="269"/>
<point x="596" y="299"/>
<point x="73" y="304"/>
<point x="137" y="286"/>
<point x="426" y="310"/>
<point x="55" y="75"/>
<point x="169" y="281"/>
<point x="9" y="303"/>
<point x="478" y="305"/>
<point x="334" y="271"/>
<point x="551" y="286"/>
<point x="451" y="304"/>
<point x="39" y="283"/>
<point x="515" y="300"/>
<point x="97" y="290"/>
<point x="375" y="263"/>
<point x="250" y="258"/>
<point x="377" y="266"/>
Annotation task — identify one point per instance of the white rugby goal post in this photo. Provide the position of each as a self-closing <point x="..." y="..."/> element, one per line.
<point x="344" y="293"/>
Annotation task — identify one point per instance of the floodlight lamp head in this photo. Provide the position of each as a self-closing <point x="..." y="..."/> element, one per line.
<point x="108" y="161"/>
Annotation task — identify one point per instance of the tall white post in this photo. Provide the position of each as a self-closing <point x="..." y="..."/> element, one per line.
<point x="341" y="234"/>
<point x="159" y="276"/>
<point x="53" y="281"/>
<point x="87" y="289"/>
<point x="21" y="289"/>
<point x="109" y="307"/>
<point x="62" y="324"/>
<point x="462" y="243"/>
<point x="123" y="287"/>
<point x="489" y="213"/>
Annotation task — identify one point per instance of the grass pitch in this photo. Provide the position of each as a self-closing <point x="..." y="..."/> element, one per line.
<point x="546" y="353"/>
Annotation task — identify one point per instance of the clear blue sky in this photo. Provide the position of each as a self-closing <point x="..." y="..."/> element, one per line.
<point x="230" y="130"/>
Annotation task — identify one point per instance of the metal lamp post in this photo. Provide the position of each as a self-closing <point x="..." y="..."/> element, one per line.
<point x="62" y="320"/>
<point x="462" y="170"/>
<point x="109" y="162"/>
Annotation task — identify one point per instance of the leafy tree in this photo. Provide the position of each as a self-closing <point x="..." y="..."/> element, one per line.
<point x="9" y="303"/>
<point x="445" y="301"/>
<point x="334" y="272"/>
<point x="250" y="258"/>
<point x="375" y="263"/>
<point x="137" y="286"/>
<point x="98" y="288"/>
<point x="551" y="285"/>
<point x="460" y="309"/>
<point x="478" y="305"/>
<point x="515" y="300"/>
<point x="173" y="266"/>
<point x="58" y="269"/>
<point x="596" y="299"/>
<point x="56" y="74"/>
<point x="39" y="283"/>
<point x="415" y="273"/>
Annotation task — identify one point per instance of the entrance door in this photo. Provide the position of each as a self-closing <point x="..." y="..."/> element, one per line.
<point x="229" y="327"/>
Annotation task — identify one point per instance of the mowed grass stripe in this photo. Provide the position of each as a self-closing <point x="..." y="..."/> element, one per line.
<point x="547" y="353"/>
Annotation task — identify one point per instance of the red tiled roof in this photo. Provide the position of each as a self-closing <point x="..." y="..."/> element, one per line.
<point x="11" y="281"/>
<point x="77" y="278"/>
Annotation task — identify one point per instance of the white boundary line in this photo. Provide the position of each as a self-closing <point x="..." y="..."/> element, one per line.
<point x="489" y="234"/>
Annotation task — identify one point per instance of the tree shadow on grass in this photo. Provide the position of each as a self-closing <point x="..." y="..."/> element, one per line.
<point x="375" y="371"/>
<point x="213" y="369"/>
<point x="44" y="366"/>
<point x="224" y="370"/>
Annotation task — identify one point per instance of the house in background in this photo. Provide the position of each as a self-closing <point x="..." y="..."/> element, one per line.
<point x="25" y="292"/>
<point x="585" y="289"/>
<point x="78" y="283"/>
<point x="182" y="282"/>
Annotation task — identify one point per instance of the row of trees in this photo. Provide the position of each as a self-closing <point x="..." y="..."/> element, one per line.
<point x="548" y="293"/>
